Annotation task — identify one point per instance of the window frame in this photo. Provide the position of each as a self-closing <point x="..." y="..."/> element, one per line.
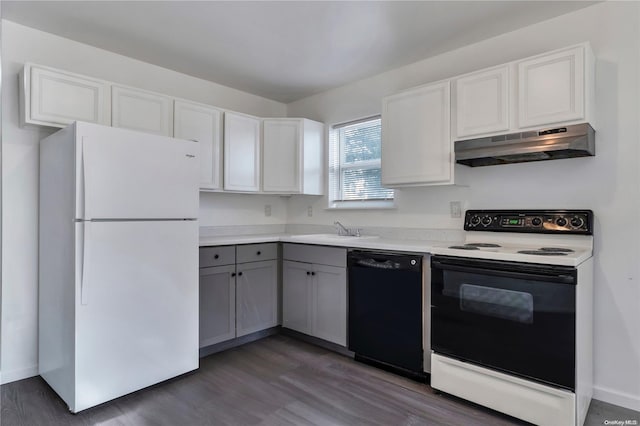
<point x="336" y="169"/>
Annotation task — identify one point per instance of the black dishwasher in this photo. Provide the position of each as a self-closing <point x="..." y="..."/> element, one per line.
<point x="385" y="310"/>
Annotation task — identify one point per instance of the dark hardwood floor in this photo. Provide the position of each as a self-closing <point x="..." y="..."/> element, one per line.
<point x="274" y="381"/>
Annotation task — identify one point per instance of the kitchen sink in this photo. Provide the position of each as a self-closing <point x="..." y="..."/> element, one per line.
<point x="331" y="237"/>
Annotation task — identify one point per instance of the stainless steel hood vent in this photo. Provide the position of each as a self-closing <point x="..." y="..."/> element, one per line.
<point x="577" y="140"/>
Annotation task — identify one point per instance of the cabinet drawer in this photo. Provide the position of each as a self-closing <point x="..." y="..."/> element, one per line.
<point x="322" y="255"/>
<point x="256" y="252"/>
<point x="217" y="256"/>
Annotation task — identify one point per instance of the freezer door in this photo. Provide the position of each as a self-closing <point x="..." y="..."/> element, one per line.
<point x="136" y="306"/>
<point x="123" y="174"/>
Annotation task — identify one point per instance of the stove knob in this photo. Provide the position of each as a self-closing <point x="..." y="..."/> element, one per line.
<point x="486" y="221"/>
<point x="475" y="220"/>
<point x="561" y="221"/>
<point x="536" y="221"/>
<point x="577" y="222"/>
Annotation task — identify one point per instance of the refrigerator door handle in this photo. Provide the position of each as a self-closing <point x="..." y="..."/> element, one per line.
<point x="85" y="161"/>
<point x="86" y="262"/>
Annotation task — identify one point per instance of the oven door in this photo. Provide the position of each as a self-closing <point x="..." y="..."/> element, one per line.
<point x="514" y="317"/>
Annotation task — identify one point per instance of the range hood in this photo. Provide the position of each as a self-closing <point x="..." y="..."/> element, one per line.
<point x="577" y="140"/>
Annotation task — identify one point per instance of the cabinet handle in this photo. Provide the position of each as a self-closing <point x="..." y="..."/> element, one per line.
<point x="216" y="256"/>
<point x="259" y="253"/>
<point x="313" y="273"/>
<point x="239" y="274"/>
<point x="233" y="274"/>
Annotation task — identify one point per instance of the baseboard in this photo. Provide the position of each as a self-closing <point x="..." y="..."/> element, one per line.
<point x="615" y="397"/>
<point x="9" y="376"/>
<point x="334" y="347"/>
<point x="223" y="346"/>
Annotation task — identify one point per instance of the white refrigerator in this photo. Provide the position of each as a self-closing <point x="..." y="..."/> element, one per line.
<point x="118" y="277"/>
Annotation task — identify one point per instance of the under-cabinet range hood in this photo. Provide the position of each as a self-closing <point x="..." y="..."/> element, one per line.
<point x="577" y="140"/>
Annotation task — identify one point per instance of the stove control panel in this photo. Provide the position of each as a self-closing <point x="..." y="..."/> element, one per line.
<point x="530" y="221"/>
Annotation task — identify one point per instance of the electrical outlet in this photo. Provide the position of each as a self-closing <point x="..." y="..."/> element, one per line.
<point x="310" y="211"/>
<point x="267" y="210"/>
<point x="456" y="209"/>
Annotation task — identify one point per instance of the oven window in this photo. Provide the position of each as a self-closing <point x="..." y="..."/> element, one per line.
<point x="497" y="302"/>
<point x="514" y="321"/>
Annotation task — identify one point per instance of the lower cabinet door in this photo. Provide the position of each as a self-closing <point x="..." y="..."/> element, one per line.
<point x="330" y="303"/>
<point x="296" y="296"/>
<point x="256" y="296"/>
<point x="217" y="304"/>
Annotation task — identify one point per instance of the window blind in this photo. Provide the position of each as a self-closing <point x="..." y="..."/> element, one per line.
<point x="355" y="162"/>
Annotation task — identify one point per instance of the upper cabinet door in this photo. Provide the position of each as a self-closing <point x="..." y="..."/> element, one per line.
<point x="56" y="98"/>
<point x="482" y="102"/>
<point x="282" y="155"/>
<point x="313" y="157"/>
<point x="241" y="152"/>
<point x="416" y="140"/>
<point x="204" y="125"/>
<point x="141" y="110"/>
<point x="551" y="88"/>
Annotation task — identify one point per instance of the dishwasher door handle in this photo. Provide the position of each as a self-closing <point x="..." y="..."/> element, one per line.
<point x="377" y="264"/>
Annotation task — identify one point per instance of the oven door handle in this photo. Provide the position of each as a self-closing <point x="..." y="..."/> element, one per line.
<point x="555" y="278"/>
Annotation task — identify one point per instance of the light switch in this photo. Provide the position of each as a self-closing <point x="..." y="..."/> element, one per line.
<point x="456" y="209"/>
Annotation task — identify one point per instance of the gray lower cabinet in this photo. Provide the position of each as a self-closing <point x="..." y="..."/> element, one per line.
<point x="217" y="304"/>
<point x="239" y="295"/>
<point x="314" y="291"/>
<point x="256" y="296"/>
<point x="296" y="296"/>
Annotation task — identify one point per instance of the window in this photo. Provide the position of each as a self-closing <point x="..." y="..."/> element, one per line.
<point x="354" y="166"/>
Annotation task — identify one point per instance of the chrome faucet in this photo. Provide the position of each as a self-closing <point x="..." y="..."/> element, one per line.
<point x="346" y="232"/>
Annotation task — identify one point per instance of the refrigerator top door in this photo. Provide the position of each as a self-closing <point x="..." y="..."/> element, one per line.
<point x="124" y="174"/>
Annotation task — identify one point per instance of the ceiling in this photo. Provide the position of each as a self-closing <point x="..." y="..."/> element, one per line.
<point x="281" y="50"/>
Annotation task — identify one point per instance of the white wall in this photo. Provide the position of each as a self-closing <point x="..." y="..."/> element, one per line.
<point x="0" y="200"/>
<point x="20" y="170"/>
<point x="607" y="183"/>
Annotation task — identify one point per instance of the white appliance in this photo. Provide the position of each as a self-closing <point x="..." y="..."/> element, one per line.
<point x="512" y="314"/>
<point x="118" y="297"/>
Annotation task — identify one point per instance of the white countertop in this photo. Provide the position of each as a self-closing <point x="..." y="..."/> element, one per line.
<point x="368" y="242"/>
<point x="414" y="246"/>
<point x="226" y="240"/>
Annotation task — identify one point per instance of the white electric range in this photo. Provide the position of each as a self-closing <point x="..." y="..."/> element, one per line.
<point x="511" y="314"/>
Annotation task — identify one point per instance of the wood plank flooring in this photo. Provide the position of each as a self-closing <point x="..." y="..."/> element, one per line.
<point x="274" y="381"/>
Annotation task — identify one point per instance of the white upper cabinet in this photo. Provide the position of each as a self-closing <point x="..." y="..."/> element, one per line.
<point x="551" y="87"/>
<point x="292" y="156"/>
<point x="416" y="140"/>
<point x="137" y="109"/>
<point x="241" y="152"/>
<point x="51" y="97"/>
<point x="482" y="102"/>
<point x="203" y="124"/>
<point x="554" y="88"/>
<point x="282" y="155"/>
